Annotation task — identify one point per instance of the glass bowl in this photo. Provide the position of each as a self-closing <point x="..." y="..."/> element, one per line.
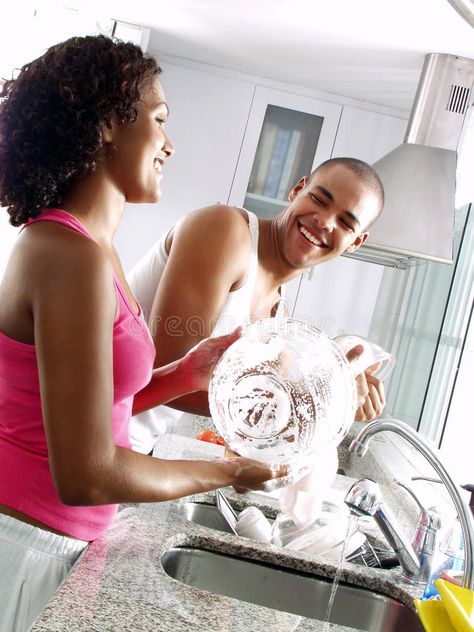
<point x="281" y="389"/>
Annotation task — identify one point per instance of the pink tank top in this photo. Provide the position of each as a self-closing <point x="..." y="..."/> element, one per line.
<point x="25" y="480"/>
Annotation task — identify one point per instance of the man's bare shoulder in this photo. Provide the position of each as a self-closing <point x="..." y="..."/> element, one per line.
<point x="218" y="223"/>
<point x="213" y="242"/>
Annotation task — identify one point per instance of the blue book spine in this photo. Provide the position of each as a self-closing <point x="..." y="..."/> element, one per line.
<point x="277" y="162"/>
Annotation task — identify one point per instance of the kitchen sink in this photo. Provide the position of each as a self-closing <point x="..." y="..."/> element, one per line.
<point x="210" y="516"/>
<point x="291" y="591"/>
<point x="205" y="515"/>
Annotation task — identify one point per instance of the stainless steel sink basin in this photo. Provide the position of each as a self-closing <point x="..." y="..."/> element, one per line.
<point x="290" y="591"/>
<point x="205" y="515"/>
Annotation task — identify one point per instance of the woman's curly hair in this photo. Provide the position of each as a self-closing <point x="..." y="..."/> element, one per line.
<point x="53" y="113"/>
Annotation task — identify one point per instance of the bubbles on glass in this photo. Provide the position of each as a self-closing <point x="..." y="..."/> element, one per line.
<point x="281" y="389"/>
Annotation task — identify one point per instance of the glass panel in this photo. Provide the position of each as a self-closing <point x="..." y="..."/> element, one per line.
<point x="451" y="349"/>
<point x="410" y="321"/>
<point x="285" y="153"/>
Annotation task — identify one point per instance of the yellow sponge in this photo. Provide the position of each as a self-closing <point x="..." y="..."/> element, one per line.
<point x="454" y="613"/>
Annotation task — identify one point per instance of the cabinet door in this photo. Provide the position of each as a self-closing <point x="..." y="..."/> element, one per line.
<point x="286" y="136"/>
<point x="339" y="296"/>
<point x="208" y="115"/>
<point x="367" y="135"/>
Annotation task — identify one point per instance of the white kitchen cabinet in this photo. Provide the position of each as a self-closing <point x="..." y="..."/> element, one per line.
<point x="208" y="115"/>
<point x="367" y="135"/>
<point x="339" y="296"/>
<point x="286" y="136"/>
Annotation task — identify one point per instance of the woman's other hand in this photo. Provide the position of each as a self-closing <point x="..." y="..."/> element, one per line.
<point x="197" y="365"/>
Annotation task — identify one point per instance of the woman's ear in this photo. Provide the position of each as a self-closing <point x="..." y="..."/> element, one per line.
<point x="108" y="132"/>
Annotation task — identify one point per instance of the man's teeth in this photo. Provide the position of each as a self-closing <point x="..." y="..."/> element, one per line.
<point x="309" y="236"/>
<point x="157" y="164"/>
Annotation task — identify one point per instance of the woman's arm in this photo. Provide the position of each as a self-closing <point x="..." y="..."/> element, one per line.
<point x="73" y="304"/>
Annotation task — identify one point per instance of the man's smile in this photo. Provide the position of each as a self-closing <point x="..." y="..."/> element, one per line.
<point x="311" y="236"/>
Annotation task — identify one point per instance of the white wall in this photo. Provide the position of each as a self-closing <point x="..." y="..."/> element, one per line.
<point x="8" y="234"/>
<point x="208" y="115"/>
<point x="29" y="28"/>
<point x="26" y="32"/>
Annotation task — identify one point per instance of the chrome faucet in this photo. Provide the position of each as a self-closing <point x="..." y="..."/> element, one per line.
<point x="359" y="447"/>
<point x="418" y="558"/>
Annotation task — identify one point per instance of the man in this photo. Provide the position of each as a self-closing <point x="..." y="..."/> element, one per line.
<point x="221" y="266"/>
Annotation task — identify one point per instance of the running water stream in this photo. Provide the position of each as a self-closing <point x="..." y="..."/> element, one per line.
<point x="351" y="525"/>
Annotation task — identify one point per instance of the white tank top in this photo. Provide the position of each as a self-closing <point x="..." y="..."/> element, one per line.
<point x="143" y="280"/>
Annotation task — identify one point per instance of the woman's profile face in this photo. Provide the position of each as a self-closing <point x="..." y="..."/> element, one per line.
<point x="141" y="148"/>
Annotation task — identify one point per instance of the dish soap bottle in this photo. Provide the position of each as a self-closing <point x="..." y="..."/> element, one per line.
<point x="451" y="558"/>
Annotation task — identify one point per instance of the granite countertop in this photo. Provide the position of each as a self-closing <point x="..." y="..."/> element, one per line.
<point x="119" y="583"/>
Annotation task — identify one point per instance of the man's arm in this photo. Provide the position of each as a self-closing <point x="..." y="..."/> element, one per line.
<point x="208" y="258"/>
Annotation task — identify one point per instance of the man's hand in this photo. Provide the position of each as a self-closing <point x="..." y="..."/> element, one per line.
<point x="370" y="390"/>
<point x="374" y="402"/>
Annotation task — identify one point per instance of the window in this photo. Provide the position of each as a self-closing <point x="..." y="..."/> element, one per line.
<point x="424" y="315"/>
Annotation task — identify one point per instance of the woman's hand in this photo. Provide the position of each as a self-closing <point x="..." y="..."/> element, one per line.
<point x="370" y="390"/>
<point x="190" y="374"/>
<point x="251" y="474"/>
<point x="197" y="365"/>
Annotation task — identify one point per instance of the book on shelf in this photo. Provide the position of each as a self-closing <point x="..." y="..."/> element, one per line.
<point x="287" y="174"/>
<point x="277" y="161"/>
<point x="262" y="158"/>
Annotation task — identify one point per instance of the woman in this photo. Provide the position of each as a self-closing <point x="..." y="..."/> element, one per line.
<point x="81" y="133"/>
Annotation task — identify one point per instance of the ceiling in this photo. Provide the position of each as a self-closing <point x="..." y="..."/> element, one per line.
<point x="371" y="50"/>
<point x="366" y="49"/>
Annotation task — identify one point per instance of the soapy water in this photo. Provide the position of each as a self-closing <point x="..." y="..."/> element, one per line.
<point x="279" y="389"/>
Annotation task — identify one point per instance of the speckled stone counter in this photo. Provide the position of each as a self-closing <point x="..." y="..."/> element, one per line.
<point x="119" y="583"/>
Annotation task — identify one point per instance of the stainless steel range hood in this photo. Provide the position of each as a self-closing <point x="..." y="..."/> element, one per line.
<point x="419" y="176"/>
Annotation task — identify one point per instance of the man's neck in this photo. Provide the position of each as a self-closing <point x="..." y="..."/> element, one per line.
<point x="270" y="257"/>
